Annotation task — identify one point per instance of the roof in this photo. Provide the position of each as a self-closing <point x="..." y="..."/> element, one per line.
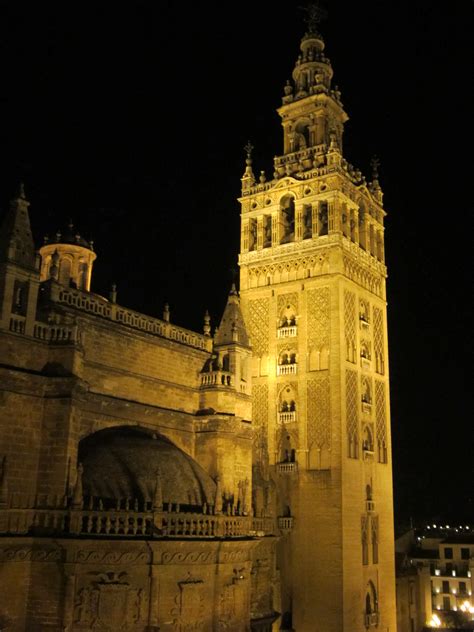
<point x="232" y="326"/>
<point x="122" y="463"/>
<point x="16" y="240"/>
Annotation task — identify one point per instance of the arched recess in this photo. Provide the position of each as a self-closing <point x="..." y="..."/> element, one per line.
<point x="287" y="316"/>
<point x="287" y="399"/>
<point x="65" y="266"/>
<point x="371" y="602"/>
<point x="287" y="442"/>
<point x="302" y="135"/>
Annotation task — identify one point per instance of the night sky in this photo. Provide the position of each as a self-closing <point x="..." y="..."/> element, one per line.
<point x="132" y="121"/>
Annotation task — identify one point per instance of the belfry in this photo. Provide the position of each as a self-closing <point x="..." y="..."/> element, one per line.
<point x="312" y="281"/>
<point x="157" y="479"/>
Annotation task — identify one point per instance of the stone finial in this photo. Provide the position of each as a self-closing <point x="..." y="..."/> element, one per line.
<point x="218" y="499"/>
<point x="113" y="293"/>
<point x="166" y="313"/>
<point x="207" y="324"/>
<point x="78" y="493"/>
<point x="263" y="177"/>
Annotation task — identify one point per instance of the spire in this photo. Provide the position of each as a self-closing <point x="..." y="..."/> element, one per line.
<point x="232" y="327"/>
<point x="248" y="179"/>
<point x="16" y="240"/>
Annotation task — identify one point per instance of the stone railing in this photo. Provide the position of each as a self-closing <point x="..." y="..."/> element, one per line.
<point x="56" y="333"/>
<point x="127" y="523"/>
<point x="286" y="369"/>
<point x="217" y="378"/>
<point x="303" y="157"/>
<point x="287" y="332"/>
<point x="99" y="306"/>
<point x="285" y="523"/>
<point x="287" y="467"/>
<point x="287" y="417"/>
<point x="17" y="324"/>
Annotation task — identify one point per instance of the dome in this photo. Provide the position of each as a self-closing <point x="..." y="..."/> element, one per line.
<point x="122" y="463"/>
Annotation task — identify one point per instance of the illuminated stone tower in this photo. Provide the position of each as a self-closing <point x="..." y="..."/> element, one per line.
<point x="313" y="297"/>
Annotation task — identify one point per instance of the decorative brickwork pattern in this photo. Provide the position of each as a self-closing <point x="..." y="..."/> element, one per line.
<point x="260" y="419"/>
<point x="318" y="318"/>
<point x="349" y="325"/>
<point x="288" y="299"/>
<point x="375" y="539"/>
<point x="378" y="341"/>
<point x="381" y="421"/>
<point x="259" y="325"/>
<point x="351" y="414"/>
<point x="319" y="413"/>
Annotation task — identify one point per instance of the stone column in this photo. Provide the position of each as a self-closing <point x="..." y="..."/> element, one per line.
<point x="68" y="603"/>
<point x="298" y="223"/>
<point x="275" y="228"/>
<point x="260" y="232"/>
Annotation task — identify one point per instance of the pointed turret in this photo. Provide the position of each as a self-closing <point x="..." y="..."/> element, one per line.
<point x="16" y="240"/>
<point x="232" y="327"/>
<point x="19" y="277"/>
<point x="225" y="377"/>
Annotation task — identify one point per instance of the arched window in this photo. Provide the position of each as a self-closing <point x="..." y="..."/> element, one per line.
<point x="65" y="271"/>
<point x="302" y="135"/>
<point x="371" y="604"/>
<point x="82" y="276"/>
<point x="323" y="218"/>
<point x="287" y="219"/>
<point x="367" y="440"/>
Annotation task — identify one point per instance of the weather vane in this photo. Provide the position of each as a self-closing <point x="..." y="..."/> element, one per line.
<point x="249" y="148"/>
<point x="315" y="14"/>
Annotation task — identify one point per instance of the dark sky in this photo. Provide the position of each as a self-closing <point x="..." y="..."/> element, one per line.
<point x="131" y="120"/>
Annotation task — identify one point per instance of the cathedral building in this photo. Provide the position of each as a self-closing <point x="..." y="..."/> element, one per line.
<point x="158" y="479"/>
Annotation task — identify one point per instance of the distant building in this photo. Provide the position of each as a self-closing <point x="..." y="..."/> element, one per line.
<point x="155" y="478"/>
<point x="435" y="586"/>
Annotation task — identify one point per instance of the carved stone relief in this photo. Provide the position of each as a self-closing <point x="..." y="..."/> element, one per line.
<point x="189" y="610"/>
<point x="110" y="602"/>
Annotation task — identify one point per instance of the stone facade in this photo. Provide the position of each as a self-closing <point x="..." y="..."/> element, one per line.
<point x="280" y="421"/>
<point x="313" y="296"/>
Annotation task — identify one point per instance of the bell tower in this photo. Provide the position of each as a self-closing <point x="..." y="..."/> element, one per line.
<point x="312" y="283"/>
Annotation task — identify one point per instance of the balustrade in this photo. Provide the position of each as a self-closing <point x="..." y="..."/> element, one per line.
<point x="287" y="417"/>
<point x="217" y="378"/>
<point x="130" y="523"/>
<point x="287" y="332"/>
<point x="286" y="369"/>
<point x="17" y="324"/>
